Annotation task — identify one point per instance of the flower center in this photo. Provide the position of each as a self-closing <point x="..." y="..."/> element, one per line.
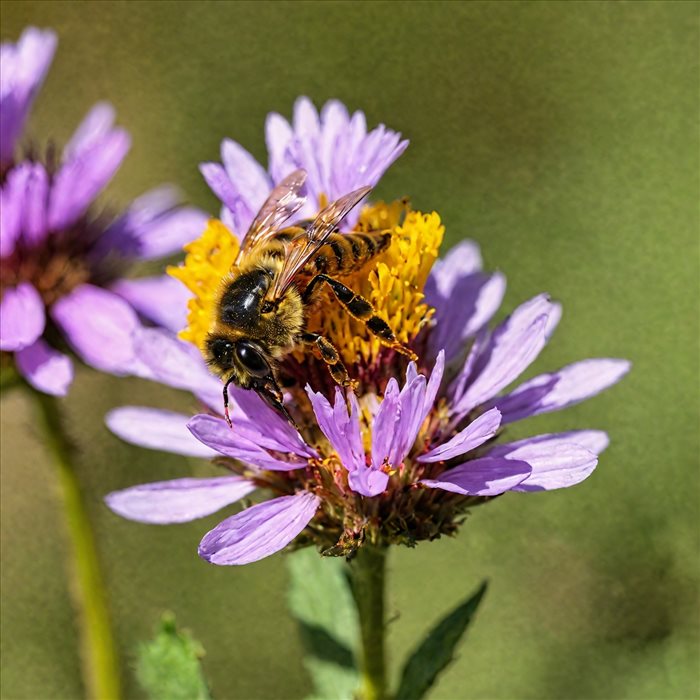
<point x="392" y="282"/>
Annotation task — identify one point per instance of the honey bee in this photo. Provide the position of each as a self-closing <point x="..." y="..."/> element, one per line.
<point x="262" y="305"/>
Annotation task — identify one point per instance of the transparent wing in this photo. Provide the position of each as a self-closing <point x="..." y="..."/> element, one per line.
<point x="283" y="202"/>
<point x="305" y="246"/>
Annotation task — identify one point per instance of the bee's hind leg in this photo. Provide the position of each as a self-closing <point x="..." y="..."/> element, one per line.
<point x="330" y="356"/>
<point x="361" y="309"/>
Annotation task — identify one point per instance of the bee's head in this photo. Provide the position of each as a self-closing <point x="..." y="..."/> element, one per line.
<point x="245" y="364"/>
<point x="242" y="357"/>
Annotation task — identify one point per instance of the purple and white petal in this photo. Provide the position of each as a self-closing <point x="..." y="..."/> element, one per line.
<point x="23" y="67"/>
<point x="558" y="390"/>
<point x="46" y="369"/>
<point x="258" y="531"/>
<point x="99" y="326"/>
<point x="487" y="476"/>
<point x="236" y="442"/>
<point x="82" y="178"/>
<point x="179" y="500"/>
<point x="22" y="317"/>
<point x="475" y="434"/>
<point x="157" y="429"/>
<point x="161" y="299"/>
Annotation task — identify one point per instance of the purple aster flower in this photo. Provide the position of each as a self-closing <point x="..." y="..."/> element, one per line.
<point x="400" y="461"/>
<point x="62" y="261"/>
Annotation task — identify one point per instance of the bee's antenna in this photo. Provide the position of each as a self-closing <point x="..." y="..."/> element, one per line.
<point x="226" y="414"/>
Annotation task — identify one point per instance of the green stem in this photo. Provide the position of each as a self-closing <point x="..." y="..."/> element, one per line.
<point x="99" y="659"/>
<point x="367" y="575"/>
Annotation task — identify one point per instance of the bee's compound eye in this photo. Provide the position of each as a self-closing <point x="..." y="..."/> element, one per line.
<point x="221" y="350"/>
<point x="251" y="359"/>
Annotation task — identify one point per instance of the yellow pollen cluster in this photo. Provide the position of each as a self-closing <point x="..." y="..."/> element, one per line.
<point x="393" y="282"/>
<point x="208" y="261"/>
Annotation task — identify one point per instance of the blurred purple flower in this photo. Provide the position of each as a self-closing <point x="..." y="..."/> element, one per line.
<point x="432" y="432"/>
<point x="62" y="261"/>
<point x="334" y="147"/>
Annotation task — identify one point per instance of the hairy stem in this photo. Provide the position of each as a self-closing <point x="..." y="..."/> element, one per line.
<point x="98" y="656"/>
<point x="367" y="575"/>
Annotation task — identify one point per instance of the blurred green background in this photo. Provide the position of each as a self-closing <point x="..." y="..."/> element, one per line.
<point x="563" y="138"/>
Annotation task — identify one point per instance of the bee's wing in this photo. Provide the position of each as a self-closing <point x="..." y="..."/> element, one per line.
<point x="305" y="246"/>
<point x="283" y="202"/>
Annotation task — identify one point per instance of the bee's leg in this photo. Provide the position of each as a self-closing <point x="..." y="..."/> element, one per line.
<point x="330" y="356"/>
<point x="359" y="308"/>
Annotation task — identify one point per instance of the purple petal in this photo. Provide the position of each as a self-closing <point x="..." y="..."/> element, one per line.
<point x="278" y="136"/>
<point x="462" y="260"/>
<point x="342" y="431"/>
<point x="12" y="200"/>
<point x="479" y="298"/>
<point x="176" y="363"/>
<point x="100" y="326"/>
<point x="169" y="233"/>
<point x="368" y="482"/>
<point x="513" y="346"/>
<point x="23" y="67"/>
<point x="22" y="317"/>
<point x="568" y="386"/>
<point x="258" y="531"/>
<point x="82" y="178"/>
<point x="249" y="180"/>
<point x="486" y="476"/>
<point x="162" y="299"/>
<point x="475" y="434"/>
<point x="266" y="426"/>
<point x="95" y="126"/>
<point x="556" y="463"/>
<point x="385" y="424"/>
<point x="179" y="500"/>
<point x="36" y="204"/>
<point x="156" y="430"/>
<point x="236" y="442"/>
<point x="411" y="416"/>
<point x="215" y="176"/>
<point x="46" y="369"/>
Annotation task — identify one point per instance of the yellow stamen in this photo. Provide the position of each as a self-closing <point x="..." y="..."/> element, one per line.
<point x="208" y="261"/>
<point x="394" y="284"/>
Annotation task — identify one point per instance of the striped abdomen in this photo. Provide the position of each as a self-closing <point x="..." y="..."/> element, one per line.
<point x="345" y="253"/>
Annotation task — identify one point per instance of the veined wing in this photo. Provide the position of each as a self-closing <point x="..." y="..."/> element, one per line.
<point x="284" y="201"/>
<point x="305" y="246"/>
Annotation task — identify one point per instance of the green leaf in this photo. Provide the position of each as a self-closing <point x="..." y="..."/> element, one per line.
<point x="321" y="601"/>
<point x="436" y="651"/>
<point x="168" y="667"/>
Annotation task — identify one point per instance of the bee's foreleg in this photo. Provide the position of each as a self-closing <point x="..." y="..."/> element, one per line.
<point x="359" y="308"/>
<point x="330" y="356"/>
